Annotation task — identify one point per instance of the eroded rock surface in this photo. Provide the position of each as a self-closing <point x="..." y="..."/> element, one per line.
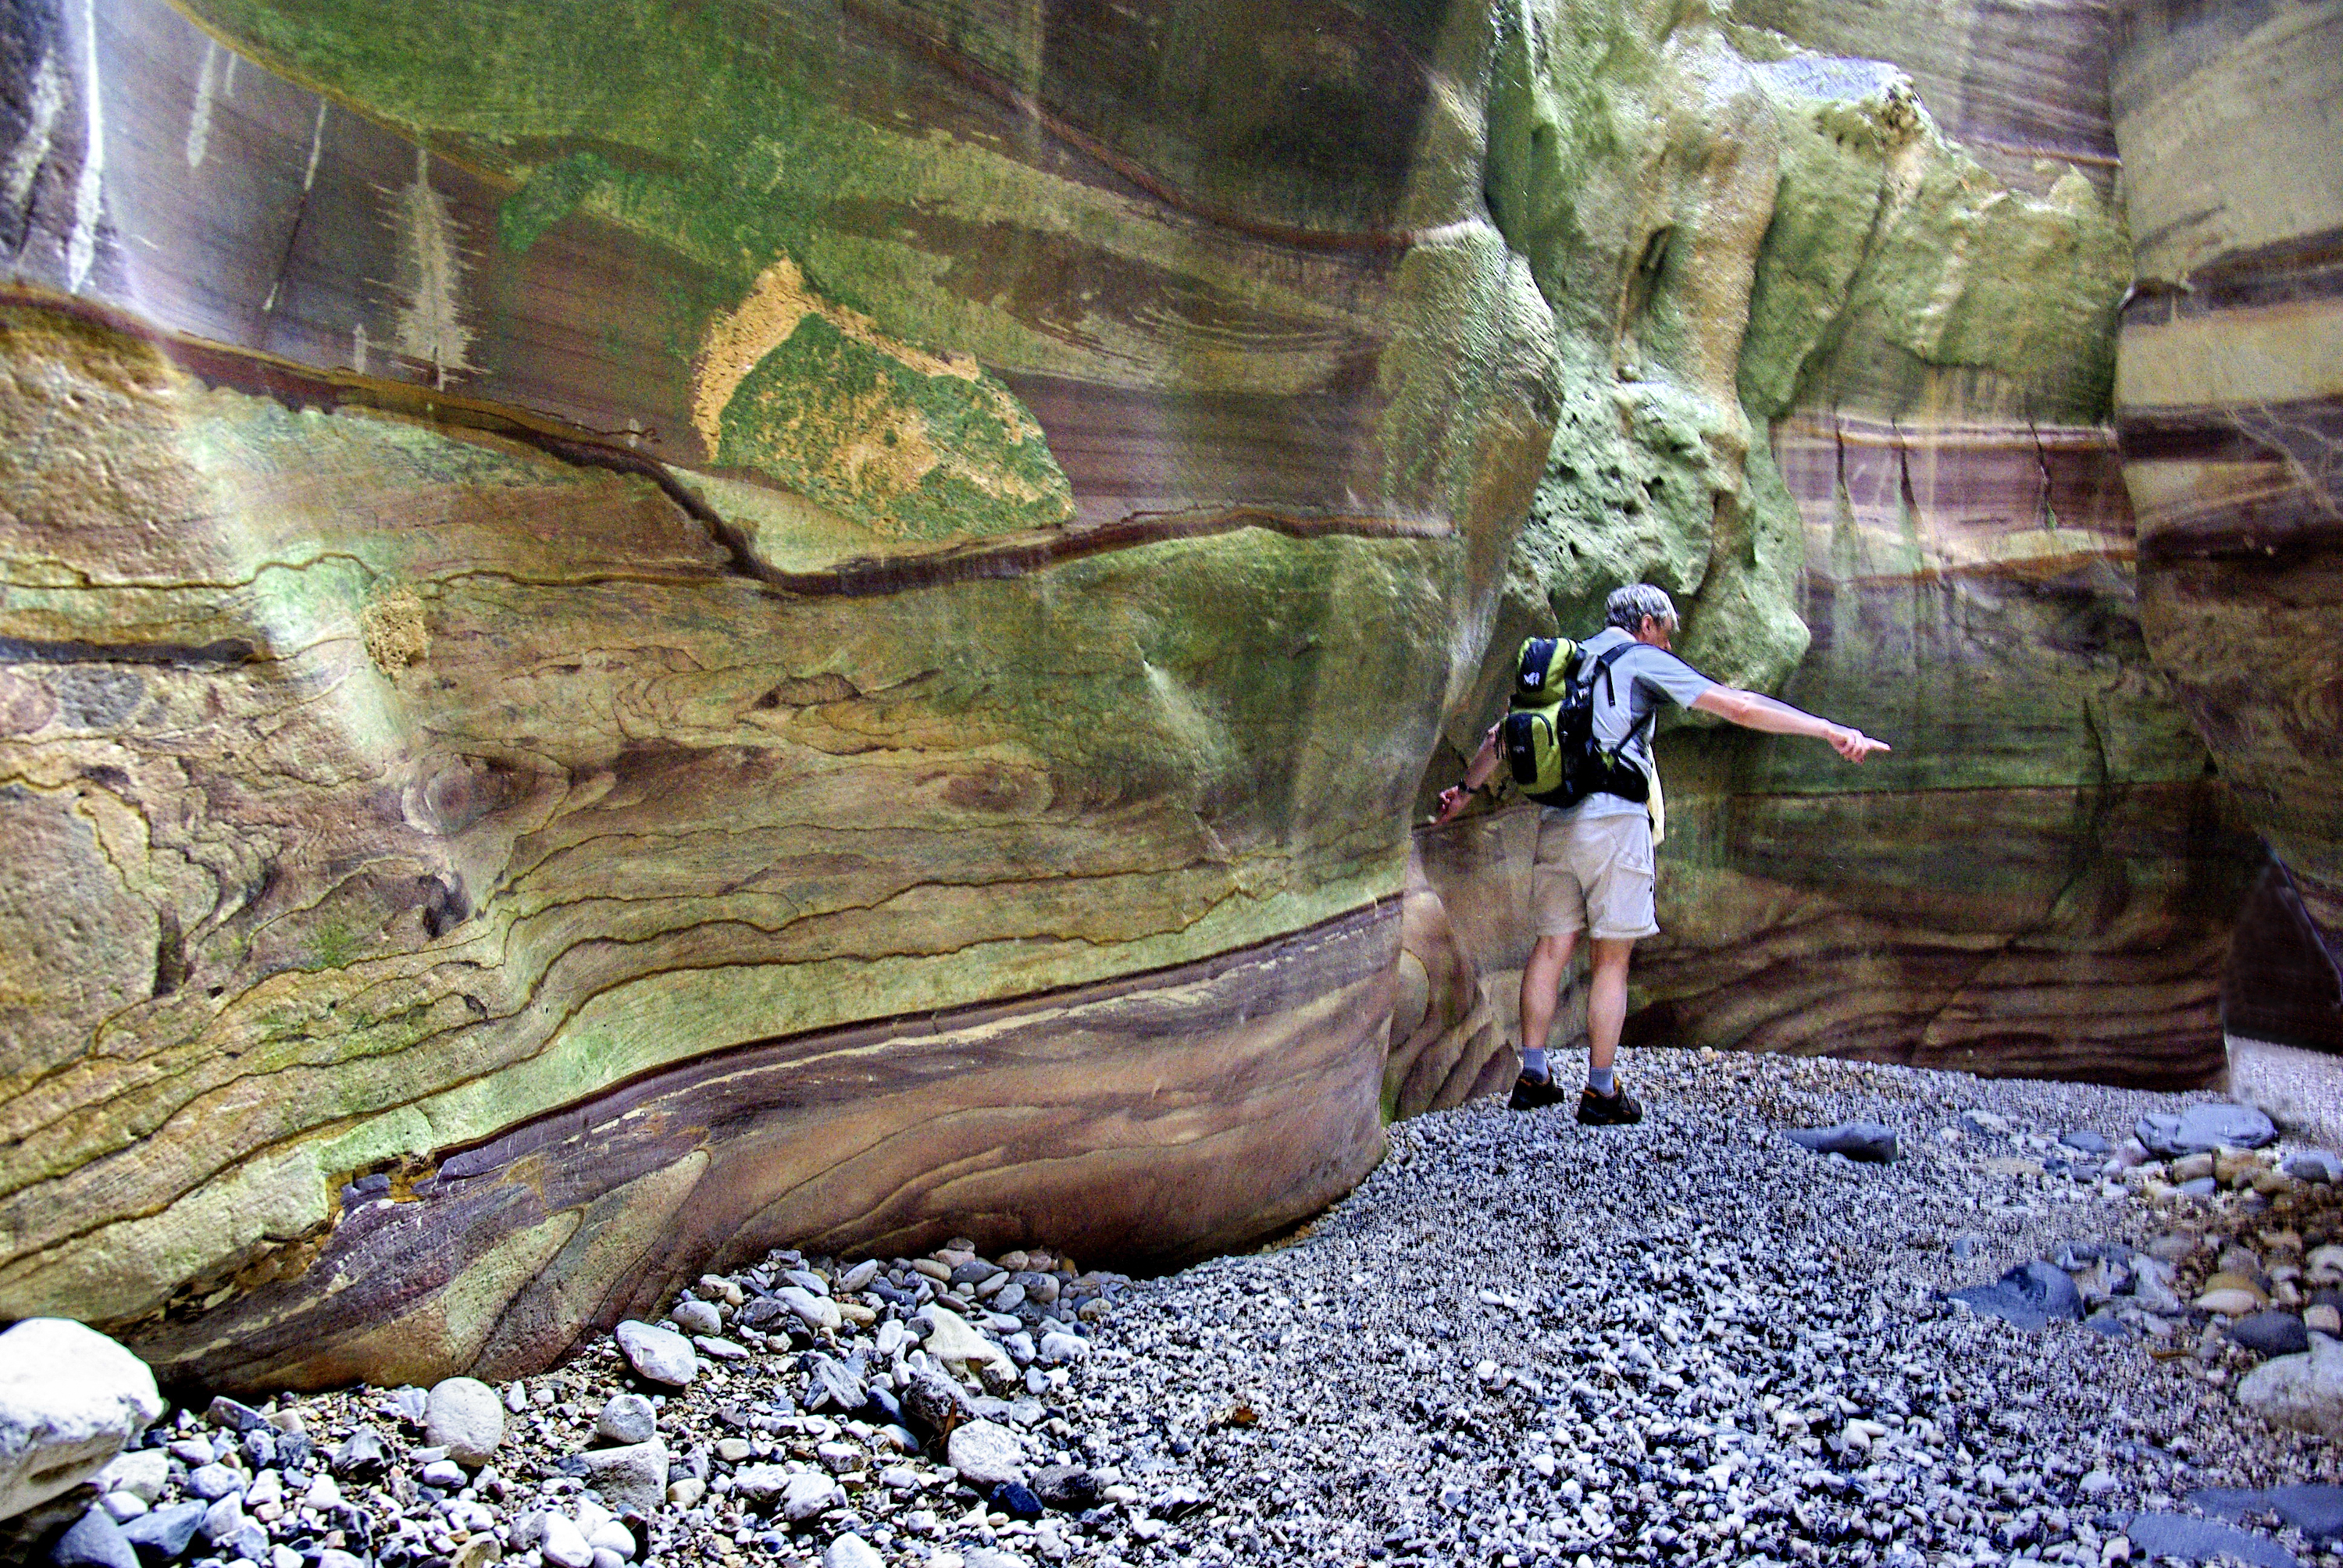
<point x="777" y="626"/>
<point x="2230" y="395"/>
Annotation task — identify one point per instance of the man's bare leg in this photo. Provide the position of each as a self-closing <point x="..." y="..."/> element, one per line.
<point x="1606" y="1001"/>
<point x="1542" y="994"/>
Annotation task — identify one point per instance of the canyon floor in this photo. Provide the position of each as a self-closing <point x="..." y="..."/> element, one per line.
<point x="1520" y="1342"/>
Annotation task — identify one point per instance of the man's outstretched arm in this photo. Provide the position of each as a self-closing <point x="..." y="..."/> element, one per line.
<point x="1456" y="797"/>
<point x="1753" y="711"/>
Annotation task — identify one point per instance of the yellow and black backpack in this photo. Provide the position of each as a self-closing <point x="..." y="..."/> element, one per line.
<point x="1549" y="732"/>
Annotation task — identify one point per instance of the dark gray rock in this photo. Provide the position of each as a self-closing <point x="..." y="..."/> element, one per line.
<point x="1069" y="1488"/>
<point x="360" y="1456"/>
<point x="2314" y="1165"/>
<point x="95" y="1541"/>
<point x="2272" y="1334"/>
<point x="2087" y="1141"/>
<point x="1854" y="1140"/>
<point x="2196" y="1540"/>
<point x="165" y="1532"/>
<point x="236" y="1417"/>
<point x="2315" y="1510"/>
<point x="2201" y="1129"/>
<point x="935" y="1404"/>
<point x="2031" y="1296"/>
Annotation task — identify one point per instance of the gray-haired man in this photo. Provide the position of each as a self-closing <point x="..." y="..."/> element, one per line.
<point x="1593" y="862"/>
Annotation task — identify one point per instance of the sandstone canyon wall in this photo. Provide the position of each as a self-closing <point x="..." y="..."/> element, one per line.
<point x="632" y="634"/>
<point x="1837" y="374"/>
<point x="2229" y="400"/>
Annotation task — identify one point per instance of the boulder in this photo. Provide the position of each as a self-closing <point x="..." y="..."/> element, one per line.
<point x="70" y="1398"/>
<point x="2303" y="1392"/>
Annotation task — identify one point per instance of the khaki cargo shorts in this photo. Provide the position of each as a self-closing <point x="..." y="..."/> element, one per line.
<point x="1597" y="869"/>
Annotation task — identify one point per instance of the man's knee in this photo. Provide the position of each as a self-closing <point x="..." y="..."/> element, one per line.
<point x="1612" y="953"/>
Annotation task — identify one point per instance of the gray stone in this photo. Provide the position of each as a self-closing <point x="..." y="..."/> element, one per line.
<point x="807" y="1495"/>
<point x="698" y="1317"/>
<point x="2315" y="1509"/>
<point x="142" y="1473"/>
<point x="985" y="1454"/>
<point x="814" y="1311"/>
<point x="464" y="1416"/>
<point x="359" y="1456"/>
<point x="562" y="1544"/>
<point x="213" y="1482"/>
<point x="95" y="1541"/>
<point x="633" y="1477"/>
<point x="1057" y="1349"/>
<point x="2201" y="1129"/>
<point x="2314" y="1165"/>
<point x="2271" y="1334"/>
<point x="935" y="1404"/>
<point x="70" y="1399"/>
<point x="835" y="1382"/>
<point x="1069" y="1488"/>
<point x="2030" y="1296"/>
<point x="234" y="1414"/>
<point x="165" y="1532"/>
<point x="858" y="1276"/>
<point x="1867" y="1141"/>
<point x="627" y="1418"/>
<point x="334" y="1557"/>
<point x="2196" y="1540"/>
<point x="658" y="1355"/>
<point x="444" y="1473"/>
<point x="2303" y="1392"/>
<point x="851" y="1552"/>
<point x="2087" y="1141"/>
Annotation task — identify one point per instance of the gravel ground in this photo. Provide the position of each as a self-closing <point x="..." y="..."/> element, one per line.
<point x="1519" y="1342"/>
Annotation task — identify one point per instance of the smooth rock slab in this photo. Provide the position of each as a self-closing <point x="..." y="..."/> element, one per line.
<point x="2194" y="1539"/>
<point x="70" y="1399"/>
<point x="2315" y="1510"/>
<point x="2031" y="1296"/>
<point x="658" y="1355"/>
<point x="2202" y="1128"/>
<point x="1855" y="1139"/>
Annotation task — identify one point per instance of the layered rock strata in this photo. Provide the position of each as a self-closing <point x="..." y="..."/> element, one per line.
<point x="2230" y="399"/>
<point x="1841" y="383"/>
<point x="592" y="593"/>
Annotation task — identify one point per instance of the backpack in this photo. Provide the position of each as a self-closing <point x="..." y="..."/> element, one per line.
<point x="1549" y="734"/>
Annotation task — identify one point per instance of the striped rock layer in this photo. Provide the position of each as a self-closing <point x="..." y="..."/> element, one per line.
<point x="2229" y="402"/>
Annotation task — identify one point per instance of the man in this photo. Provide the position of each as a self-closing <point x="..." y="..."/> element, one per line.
<point x="1593" y="860"/>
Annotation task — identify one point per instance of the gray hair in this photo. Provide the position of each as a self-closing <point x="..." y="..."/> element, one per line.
<point x="1627" y="606"/>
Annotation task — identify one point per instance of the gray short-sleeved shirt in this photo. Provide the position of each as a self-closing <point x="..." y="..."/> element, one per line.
<point x="1641" y="680"/>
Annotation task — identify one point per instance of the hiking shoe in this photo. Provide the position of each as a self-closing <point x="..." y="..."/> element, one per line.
<point x="1619" y="1110"/>
<point x="1533" y="1094"/>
